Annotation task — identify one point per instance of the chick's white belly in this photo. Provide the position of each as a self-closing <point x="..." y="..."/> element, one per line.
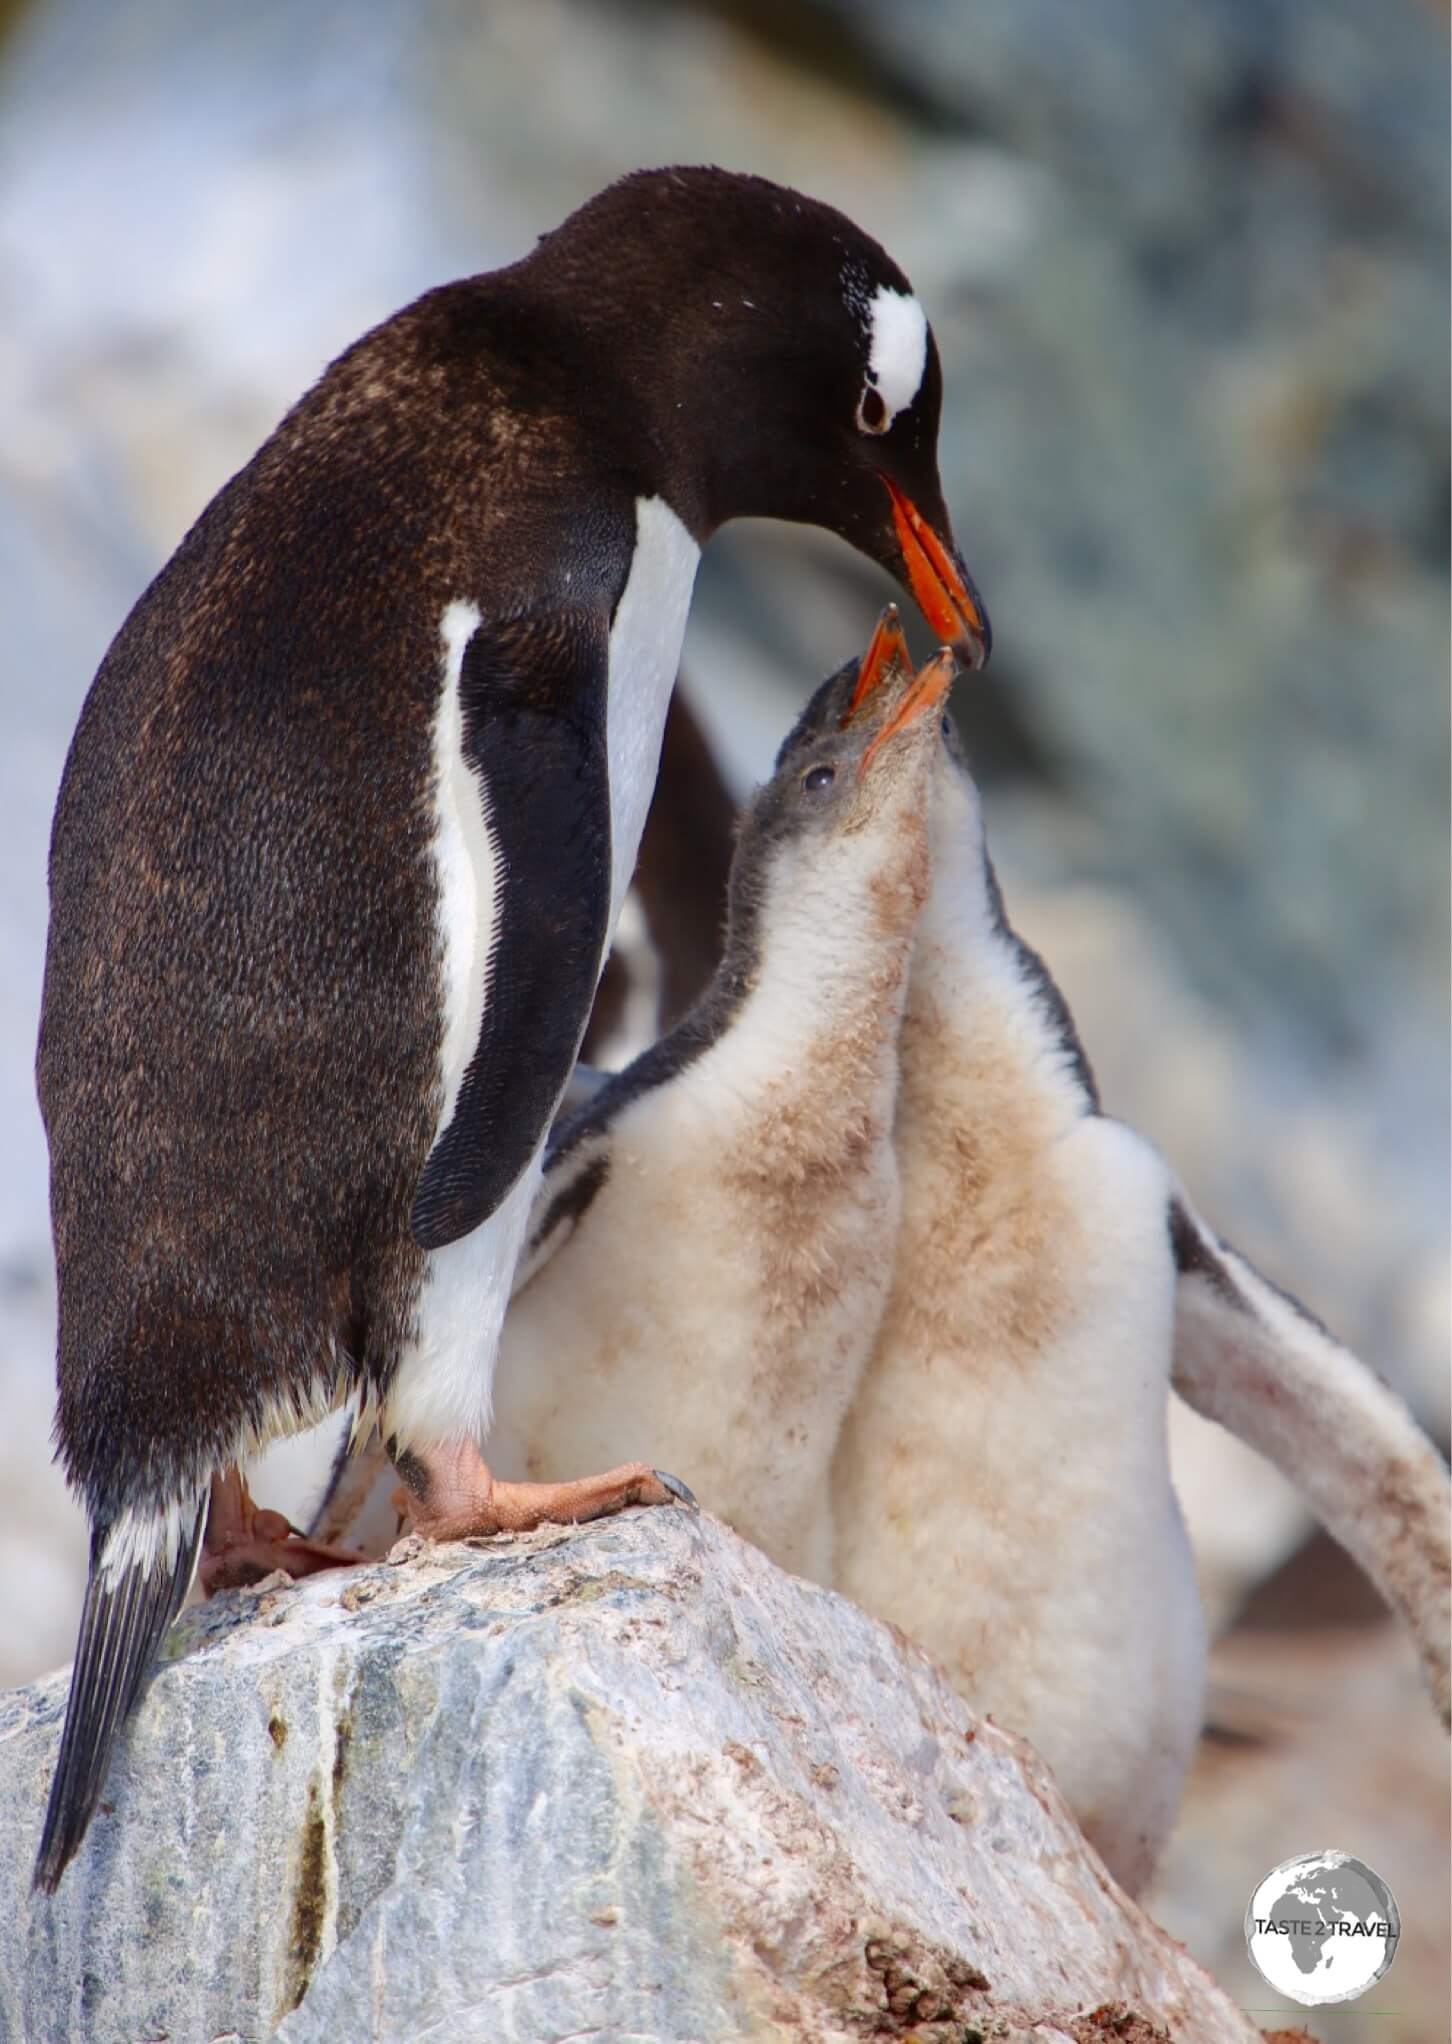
<point x="1011" y="1506"/>
<point x="1060" y="1596"/>
<point x="1103" y="1673"/>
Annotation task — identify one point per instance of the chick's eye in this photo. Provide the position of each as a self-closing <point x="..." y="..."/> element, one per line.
<point x="818" y="778"/>
<point x="871" y="411"/>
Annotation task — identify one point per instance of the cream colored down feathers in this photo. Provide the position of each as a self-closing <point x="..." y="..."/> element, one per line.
<point x="934" y="1370"/>
<point x="1002" y="1487"/>
<point x="717" y="1303"/>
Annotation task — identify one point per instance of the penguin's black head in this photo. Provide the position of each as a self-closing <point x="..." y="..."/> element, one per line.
<point x="778" y="365"/>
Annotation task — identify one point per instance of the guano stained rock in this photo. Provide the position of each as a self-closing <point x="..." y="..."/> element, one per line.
<point x="620" y="1780"/>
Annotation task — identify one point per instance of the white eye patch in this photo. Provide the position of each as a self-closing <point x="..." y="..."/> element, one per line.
<point x="897" y="347"/>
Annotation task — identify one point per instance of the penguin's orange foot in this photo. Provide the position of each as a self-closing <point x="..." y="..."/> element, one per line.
<point x="241" y="1562"/>
<point x="242" y="1543"/>
<point x="450" y="1493"/>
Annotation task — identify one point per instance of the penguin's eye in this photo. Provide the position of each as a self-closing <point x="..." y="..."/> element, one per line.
<point x="816" y="780"/>
<point x="872" y="411"/>
<point x="947" y="725"/>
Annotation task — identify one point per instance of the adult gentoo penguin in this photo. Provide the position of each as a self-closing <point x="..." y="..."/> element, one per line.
<point x="1002" y="1488"/>
<point x="343" y="833"/>
<point x="713" y="1235"/>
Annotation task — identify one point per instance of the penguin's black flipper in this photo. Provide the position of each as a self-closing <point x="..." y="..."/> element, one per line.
<point x="1249" y="1357"/>
<point x="532" y="693"/>
<point x="122" y="1623"/>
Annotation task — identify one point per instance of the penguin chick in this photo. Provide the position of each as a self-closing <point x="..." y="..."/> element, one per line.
<point x="712" y="1243"/>
<point x="344" y="833"/>
<point x="1002" y="1487"/>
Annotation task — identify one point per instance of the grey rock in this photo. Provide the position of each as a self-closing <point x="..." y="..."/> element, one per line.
<point x="626" y="1780"/>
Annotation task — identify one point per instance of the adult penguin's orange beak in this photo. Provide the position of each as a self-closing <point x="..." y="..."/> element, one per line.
<point x="941" y="585"/>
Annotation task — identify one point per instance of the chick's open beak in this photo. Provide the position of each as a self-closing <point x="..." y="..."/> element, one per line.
<point x="923" y="695"/>
<point x="940" y="583"/>
<point x="886" y="649"/>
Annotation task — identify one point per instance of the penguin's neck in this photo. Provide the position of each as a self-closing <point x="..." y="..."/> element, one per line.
<point x="986" y="1034"/>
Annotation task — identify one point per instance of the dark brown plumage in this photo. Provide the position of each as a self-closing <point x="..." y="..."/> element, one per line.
<point x="240" y="1053"/>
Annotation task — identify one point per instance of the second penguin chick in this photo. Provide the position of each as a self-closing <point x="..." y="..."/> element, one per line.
<point x="1002" y="1487"/>
<point x="713" y="1241"/>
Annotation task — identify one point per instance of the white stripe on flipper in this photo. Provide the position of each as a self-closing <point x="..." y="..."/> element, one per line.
<point x="442" y="1387"/>
<point x="467" y="865"/>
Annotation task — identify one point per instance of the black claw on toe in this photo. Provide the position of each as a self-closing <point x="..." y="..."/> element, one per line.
<point x="678" y="1490"/>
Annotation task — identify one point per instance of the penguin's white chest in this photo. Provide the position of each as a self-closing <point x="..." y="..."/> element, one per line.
<point x="645" y="654"/>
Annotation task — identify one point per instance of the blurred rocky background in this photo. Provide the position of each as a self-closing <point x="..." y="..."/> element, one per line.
<point x="1186" y="260"/>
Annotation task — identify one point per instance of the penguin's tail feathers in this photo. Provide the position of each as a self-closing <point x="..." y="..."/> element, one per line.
<point x="135" y="1589"/>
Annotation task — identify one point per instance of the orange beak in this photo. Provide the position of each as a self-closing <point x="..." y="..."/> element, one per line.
<point x="929" y="686"/>
<point x="941" y="589"/>
<point x="886" y="648"/>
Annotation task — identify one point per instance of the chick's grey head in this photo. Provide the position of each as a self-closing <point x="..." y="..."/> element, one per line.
<point x="851" y="766"/>
<point x="832" y="859"/>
